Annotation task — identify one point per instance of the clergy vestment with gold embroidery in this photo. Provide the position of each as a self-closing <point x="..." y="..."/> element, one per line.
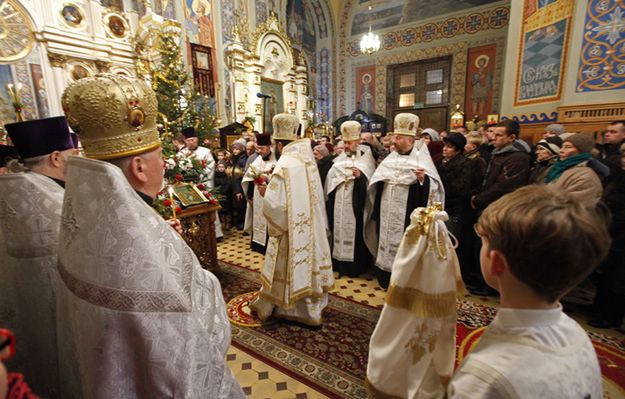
<point x="297" y="274"/>
<point x="30" y="216"/>
<point x="140" y="317"/>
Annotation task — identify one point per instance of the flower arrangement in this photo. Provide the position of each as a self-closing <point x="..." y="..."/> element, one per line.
<point x="184" y="168"/>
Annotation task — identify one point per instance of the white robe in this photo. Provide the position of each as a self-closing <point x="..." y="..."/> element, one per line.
<point x="530" y="353"/>
<point x="340" y="178"/>
<point x="30" y="216"/>
<point x="258" y="221"/>
<point x="141" y="317"/>
<point x="297" y="273"/>
<point x="397" y="172"/>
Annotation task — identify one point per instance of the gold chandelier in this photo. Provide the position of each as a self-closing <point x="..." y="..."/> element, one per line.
<point x="370" y="42"/>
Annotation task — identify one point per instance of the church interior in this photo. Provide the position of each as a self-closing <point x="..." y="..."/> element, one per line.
<point x="223" y="70"/>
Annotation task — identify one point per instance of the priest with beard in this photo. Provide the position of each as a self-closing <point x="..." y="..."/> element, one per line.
<point x="405" y="180"/>
<point x="257" y="175"/>
<point x="297" y="273"/>
<point x="141" y="318"/>
<point x="31" y="198"/>
<point x="346" y="192"/>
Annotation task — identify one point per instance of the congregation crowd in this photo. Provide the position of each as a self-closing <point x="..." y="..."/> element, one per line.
<point x="476" y="168"/>
<point x="125" y="309"/>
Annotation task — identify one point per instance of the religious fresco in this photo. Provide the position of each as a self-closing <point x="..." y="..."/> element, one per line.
<point x="540" y="69"/>
<point x="365" y="88"/>
<point x="602" y="64"/>
<point x="481" y="65"/>
<point x="261" y="11"/>
<point x="7" y="114"/>
<point x="199" y="22"/>
<point x="41" y="95"/>
<point x="396" y="12"/>
<point x="301" y="25"/>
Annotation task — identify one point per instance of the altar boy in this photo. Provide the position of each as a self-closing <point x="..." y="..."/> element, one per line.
<point x="537" y="244"/>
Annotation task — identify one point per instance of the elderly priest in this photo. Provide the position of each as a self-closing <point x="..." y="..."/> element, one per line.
<point x="140" y="317"/>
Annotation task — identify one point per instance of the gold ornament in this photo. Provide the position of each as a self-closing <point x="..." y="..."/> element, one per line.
<point x="16" y="32"/>
<point x="285" y="127"/>
<point x="350" y="131"/>
<point x="406" y="124"/>
<point x="114" y="115"/>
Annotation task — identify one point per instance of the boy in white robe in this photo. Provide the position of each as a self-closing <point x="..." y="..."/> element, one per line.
<point x="537" y="244"/>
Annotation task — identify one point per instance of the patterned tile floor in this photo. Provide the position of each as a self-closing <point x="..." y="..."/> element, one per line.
<point x="260" y="380"/>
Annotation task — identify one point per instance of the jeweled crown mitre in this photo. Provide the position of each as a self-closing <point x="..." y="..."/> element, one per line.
<point x="350" y="130"/>
<point x="114" y="115"/>
<point x="406" y="124"/>
<point x="285" y="127"/>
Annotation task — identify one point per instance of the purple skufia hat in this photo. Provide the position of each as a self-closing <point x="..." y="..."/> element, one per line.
<point x="75" y="140"/>
<point x="40" y="136"/>
<point x="7" y="153"/>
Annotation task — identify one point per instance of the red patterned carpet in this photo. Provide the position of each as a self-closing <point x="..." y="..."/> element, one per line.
<point x="333" y="359"/>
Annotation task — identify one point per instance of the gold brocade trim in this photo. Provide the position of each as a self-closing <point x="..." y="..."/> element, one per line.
<point x="420" y="303"/>
<point x="102" y="150"/>
<point x="376" y="393"/>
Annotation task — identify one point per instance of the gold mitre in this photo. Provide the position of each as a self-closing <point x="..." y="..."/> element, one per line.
<point x="406" y="124"/>
<point x="350" y="130"/>
<point x="285" y="127"/>
<point x="114" y="115"/>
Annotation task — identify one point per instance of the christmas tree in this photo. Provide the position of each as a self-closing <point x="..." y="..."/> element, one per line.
<point x="179" y="105"/>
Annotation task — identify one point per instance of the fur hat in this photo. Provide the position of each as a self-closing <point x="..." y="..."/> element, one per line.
<point x="457" y="140"/>
<point x="583" y="142"/>
<point x="430" y="132"/>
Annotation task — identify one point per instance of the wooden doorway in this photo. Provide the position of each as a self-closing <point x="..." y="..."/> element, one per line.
<point x="421" y="88"/>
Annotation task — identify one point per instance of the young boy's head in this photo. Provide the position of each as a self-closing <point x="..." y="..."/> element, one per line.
<point x="221" y="155"/>
<point x="544" y="237"/>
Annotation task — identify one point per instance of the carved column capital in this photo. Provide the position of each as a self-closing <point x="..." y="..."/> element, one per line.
<point x="57" y="60"/>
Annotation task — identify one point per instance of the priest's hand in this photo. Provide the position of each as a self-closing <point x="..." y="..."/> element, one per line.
<point x="261" y="190"/>
<point x="420" y="173"/>
<point x="356" y="172"/>
<point x="175" y="224"/>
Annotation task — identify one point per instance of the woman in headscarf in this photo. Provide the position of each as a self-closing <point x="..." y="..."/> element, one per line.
<point x="324" y="161"/>
<point x="571" y="170"/>
<point x="547" y="153"/>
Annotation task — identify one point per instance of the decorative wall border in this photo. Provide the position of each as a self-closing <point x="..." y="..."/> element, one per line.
<point x="540" y="117"/>
<point x="496" y="18"/>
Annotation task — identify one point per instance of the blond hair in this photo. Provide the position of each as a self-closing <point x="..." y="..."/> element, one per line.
<point x="550" y="240"/>
<point x="475" y="138"/>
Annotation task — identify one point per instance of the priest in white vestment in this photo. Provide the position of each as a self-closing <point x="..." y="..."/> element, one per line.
<point x="346" y="193"/>
<point x="141" y="318"/>
<point x="205" y="156"/>
<point x="257" y="175"/>
<point x="297" y="273"/>
<point x="405" y="180"/>
<point x="30" y="216"/>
